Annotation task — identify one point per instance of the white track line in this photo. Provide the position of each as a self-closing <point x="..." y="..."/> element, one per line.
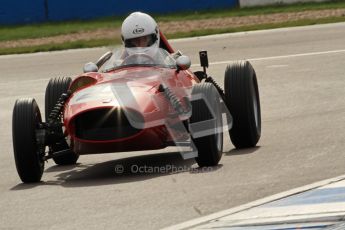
<point x="207" y="37"/>
<point x="217" y="215"/>
<point x="281" y="57"/>
<point x="245" y="33"/>
<point x="227" y="62"/>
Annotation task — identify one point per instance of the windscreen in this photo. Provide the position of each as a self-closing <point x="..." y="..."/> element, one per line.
<point x="135" y="57"/>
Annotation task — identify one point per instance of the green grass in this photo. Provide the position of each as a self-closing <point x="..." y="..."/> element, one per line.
<point x="304" y="22"/>
<point x="10" y="33"/>
<point x="113" y="42"/>
<point x="63" y="46"/>
<point x="51" y="29"/>
<point x="237" y="12"/>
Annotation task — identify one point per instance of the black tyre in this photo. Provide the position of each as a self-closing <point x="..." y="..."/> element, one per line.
<point x="210" y="147"/>
<point x="243" y="101"/>
<point x="28" y="155"/>
<point x="55" y="88"/>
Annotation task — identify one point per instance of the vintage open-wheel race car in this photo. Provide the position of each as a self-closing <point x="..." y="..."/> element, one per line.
<point x="137" y="102"/>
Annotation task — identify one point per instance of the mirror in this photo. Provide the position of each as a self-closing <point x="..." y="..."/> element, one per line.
<point x="90" y="67"/>
<point x="183" y="62"/>
<point x="203" y="58"/>
<point x="104" y="58"/>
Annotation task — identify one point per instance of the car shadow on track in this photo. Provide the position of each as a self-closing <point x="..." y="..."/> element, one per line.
<point x="245" y="151"/>
<point x="120" y="171"/>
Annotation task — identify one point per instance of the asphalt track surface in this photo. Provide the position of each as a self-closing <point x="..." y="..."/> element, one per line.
<point x="301" y="74"/>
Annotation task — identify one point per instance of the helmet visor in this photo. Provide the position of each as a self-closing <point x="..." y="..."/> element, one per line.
<point x="144" y="41"/>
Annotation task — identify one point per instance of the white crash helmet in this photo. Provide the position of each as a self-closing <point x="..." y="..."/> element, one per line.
<point x="140" y="34"/>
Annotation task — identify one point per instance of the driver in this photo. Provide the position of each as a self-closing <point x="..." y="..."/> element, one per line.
<point x="140" y="34"/>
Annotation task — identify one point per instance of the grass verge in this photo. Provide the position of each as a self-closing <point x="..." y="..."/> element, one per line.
<point x="63" y="46"/>
<point x="305" y="22"/>
<point x="112" y="42"/>
<point x="58" y="28"/>
<point x="11" y="33"/>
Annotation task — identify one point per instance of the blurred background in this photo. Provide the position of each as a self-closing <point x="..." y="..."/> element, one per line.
<point x="48" y="25"/>
<point x="23" y="11"/>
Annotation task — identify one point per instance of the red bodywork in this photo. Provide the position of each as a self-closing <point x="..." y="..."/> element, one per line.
<point x="92" y="101"/>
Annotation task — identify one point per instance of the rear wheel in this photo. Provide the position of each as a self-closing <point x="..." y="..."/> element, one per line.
<point x="243" y="101"/>
<point x="56" y="87"/>
<point x="27" y="152"/>
<point x="210" y="146"/>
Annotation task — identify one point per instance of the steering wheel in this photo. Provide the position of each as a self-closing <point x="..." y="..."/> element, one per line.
<point x="139" y="58"/>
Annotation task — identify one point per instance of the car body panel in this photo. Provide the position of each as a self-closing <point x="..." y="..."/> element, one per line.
<point x="134" y="90"/>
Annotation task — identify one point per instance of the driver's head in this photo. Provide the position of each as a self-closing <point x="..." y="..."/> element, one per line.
<point x="140" y="34"/>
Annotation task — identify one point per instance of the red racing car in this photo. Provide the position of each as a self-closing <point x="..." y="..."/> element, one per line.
<point x="137" y="102"/>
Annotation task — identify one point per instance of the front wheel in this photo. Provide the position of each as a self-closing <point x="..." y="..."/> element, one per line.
<point x="207" y="121"/>
<point x="243" y="101"/>
<point x="28" y="153"/>
<point x="55" y="88"/>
